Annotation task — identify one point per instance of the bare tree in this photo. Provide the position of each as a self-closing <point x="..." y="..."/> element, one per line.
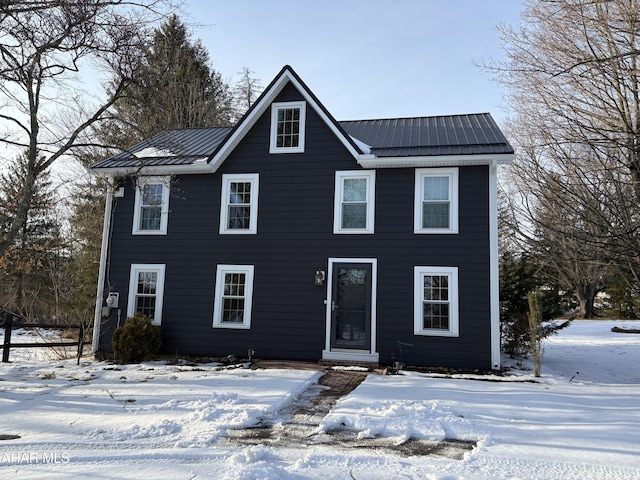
<point x="246" y="91"/>
<point x="554" y="215"/>
<point x="571" y="73"/>
<point x="44" y="45"/>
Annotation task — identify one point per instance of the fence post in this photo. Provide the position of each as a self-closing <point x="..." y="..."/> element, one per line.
<point x="80" y="341"/>
<point x="8" y="326"/>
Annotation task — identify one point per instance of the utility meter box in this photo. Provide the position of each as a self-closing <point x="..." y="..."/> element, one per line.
<point x="112" y="299"/>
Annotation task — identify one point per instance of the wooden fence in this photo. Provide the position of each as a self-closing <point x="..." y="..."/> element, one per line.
<point x="9" y="322"/>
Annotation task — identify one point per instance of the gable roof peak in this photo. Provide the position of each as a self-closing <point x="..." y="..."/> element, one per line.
<point x="285" y="76"/>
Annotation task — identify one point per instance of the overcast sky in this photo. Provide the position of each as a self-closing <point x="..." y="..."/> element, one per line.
<point x="364" y="58"/>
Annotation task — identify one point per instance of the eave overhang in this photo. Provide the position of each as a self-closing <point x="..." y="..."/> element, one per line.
<point x="198" y="167"/>
<point x="371" y="161"/>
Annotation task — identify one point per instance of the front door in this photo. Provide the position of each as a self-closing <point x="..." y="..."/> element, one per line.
<point x="351" y="306"/>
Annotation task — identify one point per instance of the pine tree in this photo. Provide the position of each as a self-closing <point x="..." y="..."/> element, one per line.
<point x="175" y="88"/>
<point x="27" y="266"/>
<point x="85" y="222"/>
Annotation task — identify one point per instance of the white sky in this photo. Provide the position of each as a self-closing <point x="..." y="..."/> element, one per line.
<point x="364" y="58"/>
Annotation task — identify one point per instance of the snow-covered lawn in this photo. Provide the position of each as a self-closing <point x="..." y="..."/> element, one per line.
<point x="156" y="421"/>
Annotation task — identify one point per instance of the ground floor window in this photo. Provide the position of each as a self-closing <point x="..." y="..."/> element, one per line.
<point x="233" y="296"/>
<point x="146" y="288"/>
<point x="436" y="301"/>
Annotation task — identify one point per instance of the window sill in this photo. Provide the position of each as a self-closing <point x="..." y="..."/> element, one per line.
<point x="232" y="327"/>
<point x="436" y="333"/>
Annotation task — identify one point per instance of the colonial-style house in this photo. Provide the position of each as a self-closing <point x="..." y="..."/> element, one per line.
<point x="300" y="237"/>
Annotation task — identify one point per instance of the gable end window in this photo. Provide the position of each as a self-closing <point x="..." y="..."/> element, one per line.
<point x="233" y="296"/>
<point x="354" y="203"/>
<point x="436" y="301"/>
<point x="151" y="206"/>
<point x="239" y="204"/>
<point x="287" y="127"/>
<point x="146" y="290"/>
<point x="436" y="200"/>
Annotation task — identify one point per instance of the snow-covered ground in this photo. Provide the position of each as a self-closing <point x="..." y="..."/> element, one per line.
<point x="154" y="421"/>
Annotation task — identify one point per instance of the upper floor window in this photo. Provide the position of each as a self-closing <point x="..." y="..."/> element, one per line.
<point x="354" y="203"/>
<point x="239" y="203"/>
<point x="233" y="296"/>
<point x="151" y="206"/>
<point x="436" y="301"/>
<point x="146" y="288"/>
<point x="436" y="200"/>
<point x="287" y="127"/>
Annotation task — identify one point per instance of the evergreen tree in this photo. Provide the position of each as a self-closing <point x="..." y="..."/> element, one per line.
<point x="175" y="88"/>
<point x="519" y="276"/>
<point x="85" y="221"/>
<point x="28" y="267"/>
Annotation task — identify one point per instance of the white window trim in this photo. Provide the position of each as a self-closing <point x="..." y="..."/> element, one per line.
<point x="454" y="316"/>
<point x="227" y="180"/>
<point x="370" y="176"/>
<point x="248" y="270"/>
<point x="274" y="122"/>
<point x="452" y="174"/>
<point x="159" y="268"/>
<point x="142" y="181"/>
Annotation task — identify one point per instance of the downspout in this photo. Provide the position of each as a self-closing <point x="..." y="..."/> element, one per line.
<point x="494" y="278"/>
<point x="106" y="227"/>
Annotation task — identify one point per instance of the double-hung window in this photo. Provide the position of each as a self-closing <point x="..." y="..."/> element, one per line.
<point x="287" y="127"/>
<point x="354" y="204"/>
<point x="146" y="288"/>
<point x="151" y="206"/>
<point x="436" y="301"/>
<point x="436" y="200"/>
<point x="239" y="203"/>
<point x="233" y="296"/>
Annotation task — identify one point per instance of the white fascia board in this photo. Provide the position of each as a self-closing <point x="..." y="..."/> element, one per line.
<point x="371" y="161"/>
<point x="247" y="123"/>
<point x="264" y="104"/>
<point x="199" y="166"/>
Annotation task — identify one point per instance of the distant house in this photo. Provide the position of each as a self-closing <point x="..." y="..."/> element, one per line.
<point x="300" y="237"/>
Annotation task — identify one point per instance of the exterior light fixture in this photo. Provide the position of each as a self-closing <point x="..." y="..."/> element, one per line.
<point x="319" y="277"/>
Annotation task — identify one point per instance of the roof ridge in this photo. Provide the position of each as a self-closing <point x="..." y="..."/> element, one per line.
<point x="416" y="117"/>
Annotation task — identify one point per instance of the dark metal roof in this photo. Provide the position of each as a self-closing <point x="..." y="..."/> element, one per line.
<point x="392" y="137"/>
<point x="443" y="135"/>
<point x="175" y="147"/>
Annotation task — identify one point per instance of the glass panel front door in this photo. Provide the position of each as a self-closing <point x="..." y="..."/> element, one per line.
<point x="351" y="306"/>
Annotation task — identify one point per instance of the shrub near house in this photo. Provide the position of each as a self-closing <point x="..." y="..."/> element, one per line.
<point x="137" y="340"/>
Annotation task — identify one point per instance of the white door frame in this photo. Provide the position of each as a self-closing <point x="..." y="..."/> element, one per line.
<point x="346" y="354"/>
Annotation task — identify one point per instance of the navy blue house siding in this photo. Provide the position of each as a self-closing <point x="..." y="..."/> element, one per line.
<point x="294" y="238"/>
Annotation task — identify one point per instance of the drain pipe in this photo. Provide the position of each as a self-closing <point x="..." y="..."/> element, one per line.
<point x="106" y="227"/>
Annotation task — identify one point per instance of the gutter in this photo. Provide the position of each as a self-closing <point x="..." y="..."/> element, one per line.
<point x="199" y="166"/>
<point x="106" y="228"/>
<point x="494" y="261"/>
<point x="372" y="161"/>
